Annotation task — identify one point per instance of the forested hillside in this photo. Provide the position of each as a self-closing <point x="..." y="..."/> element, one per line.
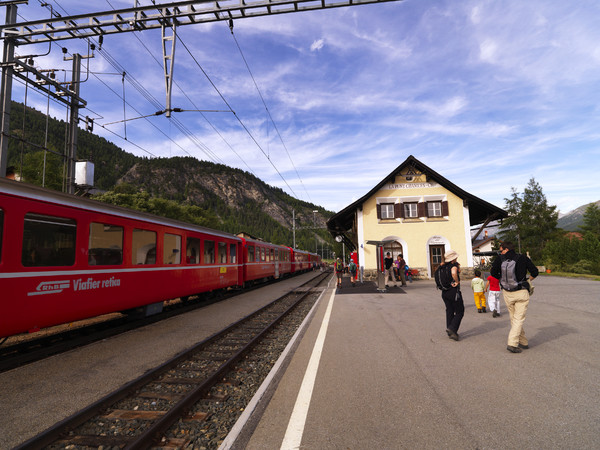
<point x="199" y="191"/>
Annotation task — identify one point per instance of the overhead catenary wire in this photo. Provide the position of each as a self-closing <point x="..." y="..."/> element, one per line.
<point x="237" y="117"/>
<point x="184" y="93"/>
<point x="265" y="105"/>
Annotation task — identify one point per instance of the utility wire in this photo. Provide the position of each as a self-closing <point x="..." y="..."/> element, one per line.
<point x="265" y="105"/>
<point x="237" y="117"/>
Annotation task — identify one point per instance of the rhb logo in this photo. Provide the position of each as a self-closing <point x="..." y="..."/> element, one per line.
<point x="51" y="287"/>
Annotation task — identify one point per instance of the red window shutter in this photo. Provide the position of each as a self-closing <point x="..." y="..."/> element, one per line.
<point x="398" y="210"/>
<point x="378" y="211"/>
<point x="422" y="209"/>
<point x="445" y="209"/>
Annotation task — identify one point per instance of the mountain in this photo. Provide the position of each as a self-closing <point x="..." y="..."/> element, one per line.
<point x="239" y="201"/>
<point x="574" y="219"/>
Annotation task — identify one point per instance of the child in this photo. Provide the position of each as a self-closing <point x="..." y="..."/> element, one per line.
<point x="493" y="285"/>
<point x="478" y="286"/>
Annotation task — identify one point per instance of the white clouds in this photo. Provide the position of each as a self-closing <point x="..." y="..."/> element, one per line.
<point x="317" y="45"/>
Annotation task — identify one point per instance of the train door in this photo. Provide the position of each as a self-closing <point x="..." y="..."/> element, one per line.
<point x="436" y="256"/>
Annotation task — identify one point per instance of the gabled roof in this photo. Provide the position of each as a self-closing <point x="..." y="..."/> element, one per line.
<point x="479" y="210"/>
<point x="481" y="243"/>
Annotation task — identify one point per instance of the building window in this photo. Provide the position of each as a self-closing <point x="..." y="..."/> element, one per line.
<point x="434" y="209"/>
<point x="387" y="211"/>
<point x="410" y="211"/>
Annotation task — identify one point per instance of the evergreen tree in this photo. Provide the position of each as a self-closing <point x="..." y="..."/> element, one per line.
<point x="591" y="220"/>
<point x="531" y="222"/>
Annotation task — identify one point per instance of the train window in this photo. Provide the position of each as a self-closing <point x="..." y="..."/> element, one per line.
<point x="48" y="241"/>
<point x="1" y="228"/>
<point x="209" y="252"/>
<point x="143" y="247"/>
<point x="232" y="253"/>
<point x="193" y="251"/>
<point x="272" y="255"/>
<point x="262" y="253"/>
<point x="222" y="253"/>
<point x="172" y="249"/>
<point x="250" y="253"/>
<point x="105" y="246"/>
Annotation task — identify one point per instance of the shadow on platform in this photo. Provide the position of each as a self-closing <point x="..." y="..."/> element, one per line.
<point x="366" y="287"/>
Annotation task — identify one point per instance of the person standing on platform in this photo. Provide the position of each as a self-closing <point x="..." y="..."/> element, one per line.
<point x="511" y="269"/>
<point x="492" y="287"/>
<point x="339" y="271"/>
<point x="448" y="280"/>
<point x="478" y="286"/>
<point x="401" y="264"/>
<point x="352" y="269"/>
<point x="388" y="263"/>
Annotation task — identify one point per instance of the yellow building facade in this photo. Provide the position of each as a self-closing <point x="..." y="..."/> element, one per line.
<point x="415" y="212"/>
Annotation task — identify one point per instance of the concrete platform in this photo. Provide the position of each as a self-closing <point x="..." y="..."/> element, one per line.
<point x="388" y="376"/>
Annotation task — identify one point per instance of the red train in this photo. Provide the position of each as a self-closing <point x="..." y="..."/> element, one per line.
<point x="64" y="258"/>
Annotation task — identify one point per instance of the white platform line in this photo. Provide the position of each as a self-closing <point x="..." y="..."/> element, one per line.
<point x="295" y="429"/>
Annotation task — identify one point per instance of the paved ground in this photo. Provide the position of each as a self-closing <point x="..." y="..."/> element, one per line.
<point x="390" y="378"/>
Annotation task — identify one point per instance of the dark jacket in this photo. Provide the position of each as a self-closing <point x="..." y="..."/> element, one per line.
<point x="522" y="266"/>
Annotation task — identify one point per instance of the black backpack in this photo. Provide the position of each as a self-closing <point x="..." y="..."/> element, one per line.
<point x="443" y="277"/>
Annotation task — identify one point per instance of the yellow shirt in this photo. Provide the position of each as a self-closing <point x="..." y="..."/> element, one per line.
<point x="477" y="284"/>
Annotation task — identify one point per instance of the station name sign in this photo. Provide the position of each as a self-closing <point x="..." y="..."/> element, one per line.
<point x="412" y="185"/>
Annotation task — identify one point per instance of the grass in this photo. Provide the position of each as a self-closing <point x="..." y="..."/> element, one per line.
<point x="571" y="275"/>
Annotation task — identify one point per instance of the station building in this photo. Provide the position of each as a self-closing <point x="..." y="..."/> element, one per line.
<point x="417" y="212"/>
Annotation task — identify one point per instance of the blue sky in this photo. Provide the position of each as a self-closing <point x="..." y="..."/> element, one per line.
<point x="489" y="94"/>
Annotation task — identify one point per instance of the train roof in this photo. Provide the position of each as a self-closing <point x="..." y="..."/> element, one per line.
<point x="18" y="188"/>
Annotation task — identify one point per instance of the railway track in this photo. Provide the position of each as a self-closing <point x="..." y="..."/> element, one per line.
<point x="16" y="353"/>
<point x="194" y="398"/>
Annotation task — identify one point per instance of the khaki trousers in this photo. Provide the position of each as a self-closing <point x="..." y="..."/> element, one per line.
<point x="516" y="303"/>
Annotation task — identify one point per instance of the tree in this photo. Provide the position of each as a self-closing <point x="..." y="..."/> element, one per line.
<point x="591" y="220"/>
<point x="531" y="222"/>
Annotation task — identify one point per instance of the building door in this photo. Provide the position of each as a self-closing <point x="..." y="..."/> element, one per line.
<point x="436" y="255"/>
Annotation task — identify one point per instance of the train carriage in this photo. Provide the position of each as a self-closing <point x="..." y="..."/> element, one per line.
<point x="63" y="258"/>
<point x="264" y="261"/>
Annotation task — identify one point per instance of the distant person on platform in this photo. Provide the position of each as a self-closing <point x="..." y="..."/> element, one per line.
<point x="352" y="268"/>
<point x="492" y="287"/>
<point x="339" y="271"/>
<point x="388" y="263"/>
<point x="478" y="286"/>
<point x="448" y="272"/>
<point x="511" y="269"/>
<point x="401" y="268"/>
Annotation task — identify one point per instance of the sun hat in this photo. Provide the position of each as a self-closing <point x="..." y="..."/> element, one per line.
<point x="450" y="256"/>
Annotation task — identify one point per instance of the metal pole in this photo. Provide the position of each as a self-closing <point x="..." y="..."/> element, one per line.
<point x="6" y="90"/>
<point x="315" y="227"/>
<point x="294" y="226"/>
<point x="73" y="130"/>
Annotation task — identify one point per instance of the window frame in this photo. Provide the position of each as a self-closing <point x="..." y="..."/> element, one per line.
<point x="407" y="209"/>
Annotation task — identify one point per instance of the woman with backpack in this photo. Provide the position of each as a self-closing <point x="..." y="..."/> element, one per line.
<point x="447" y="279"/>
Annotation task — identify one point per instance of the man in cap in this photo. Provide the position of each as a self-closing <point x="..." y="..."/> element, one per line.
<point x="451" y="295"/>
